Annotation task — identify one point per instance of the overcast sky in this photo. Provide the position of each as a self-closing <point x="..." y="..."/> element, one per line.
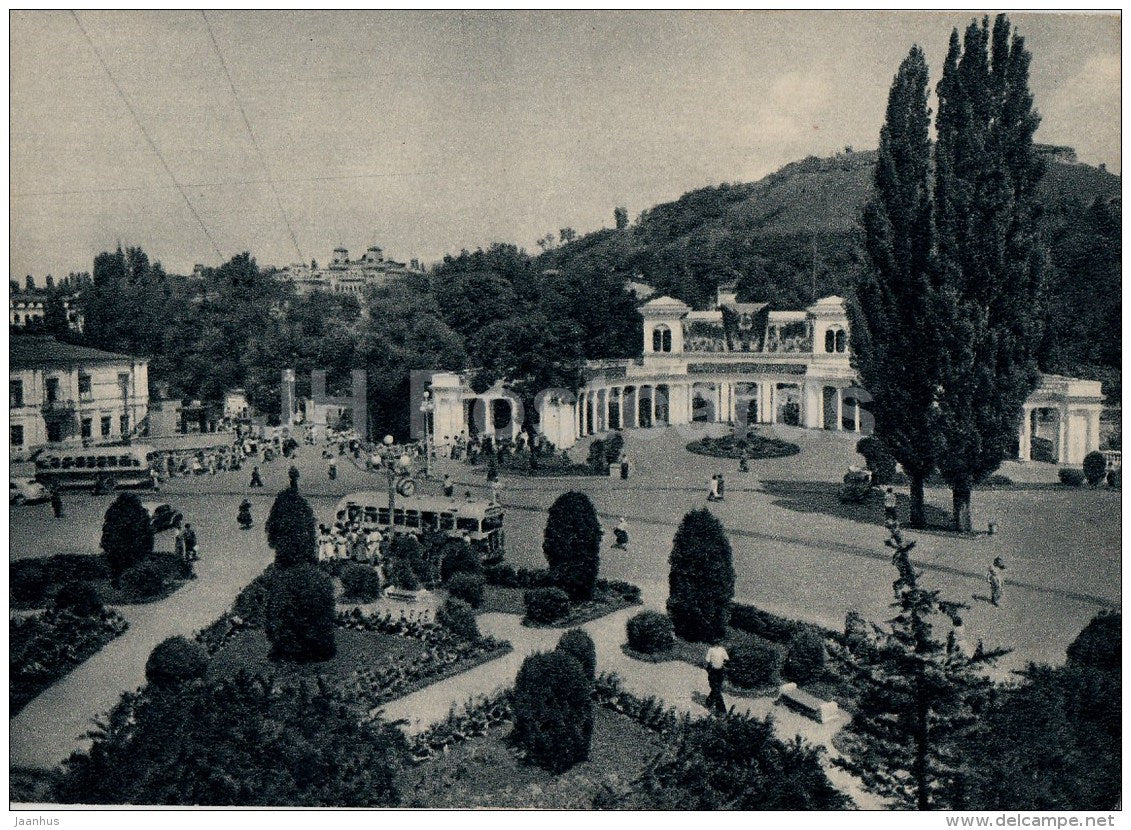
<point x="430" y="132"/>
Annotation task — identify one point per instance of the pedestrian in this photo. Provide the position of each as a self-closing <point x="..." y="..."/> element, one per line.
<point x="620" y="533"/>
<point x="256" y="481"/>
<point x="292" y="474"/>
<point x="744" y="462"/>
<point x="995" y="575"/>
<point x="495" y="488"/>
<point x="56" y="503"/>
<point x="890" y="502"/>
<point x="624" y="467"/>
<point x="713" y="489"/>
<point x="722" y="487"/>
<point x="449" y="487"/>
<point x="716" y="661"/>
<point x="467" y="495"/>
<point x="191" y="552"/>
<point x="179" y="545"/>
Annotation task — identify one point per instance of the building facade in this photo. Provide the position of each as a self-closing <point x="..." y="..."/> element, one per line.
<point x="29" y="310"/>
<point x="65" y="395"/>
<point x="345" y="275"/>
<point x="738" y="363"/>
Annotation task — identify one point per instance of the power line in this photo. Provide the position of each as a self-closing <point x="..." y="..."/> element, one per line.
<point x="251" y="134"/>
<point x="149" y="140"/>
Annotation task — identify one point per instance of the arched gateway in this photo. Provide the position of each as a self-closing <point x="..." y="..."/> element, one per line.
<point x="741" y="363"/>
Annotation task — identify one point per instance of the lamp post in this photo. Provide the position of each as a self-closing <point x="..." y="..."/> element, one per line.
<point x="428" y="406"/>
<point x="388" y="457"/>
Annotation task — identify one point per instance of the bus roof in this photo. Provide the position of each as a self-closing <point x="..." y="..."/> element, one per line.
<point x="432" y="504"/>
<point x="114" y="449"/>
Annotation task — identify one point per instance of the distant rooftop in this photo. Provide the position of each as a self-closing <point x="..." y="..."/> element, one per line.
<point x="34" y="352"/>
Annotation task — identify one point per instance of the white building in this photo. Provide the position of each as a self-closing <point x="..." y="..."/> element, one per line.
<point x="739" y="363"/>
<point x="26" y="309"/>
<point x="345" y="275"/>
<point x="71" y="395"/>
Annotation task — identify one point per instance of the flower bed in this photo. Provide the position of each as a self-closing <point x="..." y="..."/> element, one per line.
<point x="608" y="597"/>
<point x="47" y="646"/>
<point x="33" y="583"/>
<point x="753" y="446"/>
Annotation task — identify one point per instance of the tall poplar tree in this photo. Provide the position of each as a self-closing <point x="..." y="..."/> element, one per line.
<point x="989" y="256"/>
<point x="894" y="339"/>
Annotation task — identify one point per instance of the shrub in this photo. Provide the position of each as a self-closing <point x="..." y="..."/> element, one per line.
<point x="626" y="590"/>
<point x="292" y="530"/>
<point x="300" y="614"/>
<point x="1071" y="476"/>
<point x="791" y="413"/>
<point x="251" y="602"/>
<point x="650" y="632"/>
<point x="28" y="583"/>
<point x="1113" y="477"/>
<point x="361" y="582"/>
<point x="701" y="579"/>
<point x="407" y="547"/>
<point x="1095" y="465"/>
<point x="614" y="446"/>
<point x="754" y="663"/>
<point x="175" y="660"/>
<point x="553" y="711"/>
<point x="805" y="660"/>
<point x="127" y="534"/>
<point x="534" y="578"/>
<point x="456" y="556"/>
<point x="878" y="459"/>
<point x="1042" y="449"/>
<point x="143" y="581"/>
<point x="501" y="574"/>
<point x="571" y="544"/>
<point x="579" y="645"/>
<point x="456" y="616"/>
<point x="754" y="620"/>
<point x="546" y="605"/>
<point x="400" y="573"/>
<point x="1100" y="644"/>
<point x="467" y="587"/>
<point x="596" y="460"/>
<point x="79" y="597"/>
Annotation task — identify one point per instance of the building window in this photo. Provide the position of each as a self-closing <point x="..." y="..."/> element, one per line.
<point x="124" y="384"/>
<point x="661" y="339"/>
<point x="17" y="433"/>
<point x="830" y="341"/>
<point x="84" y="387"/>
<point x="87" y="427"/>
<point x="15" y="393"/>
<point x="840" y="340"/>
<point x="105" y="426"/>
<point x="124" y="425"/>
<point x="52" y="390"/>
<point x="54" y="431"/>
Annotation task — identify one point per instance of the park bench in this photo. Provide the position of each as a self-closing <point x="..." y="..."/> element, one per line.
<point x="406" y="595"/>
<point x="809" y="705"/>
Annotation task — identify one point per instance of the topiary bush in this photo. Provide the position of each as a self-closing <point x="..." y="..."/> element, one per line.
<point x="501" y="574"/>
<point x="1100" y="644"/>
<point x="457" y="556"/>
<point x="553" y="710"/>
<point x="80" y="598"/>
<point x="1095" y="466"/>
<point x="754" y="663"/>
<point x="571" y="544"/>
<point x="143" y="581"/>
<point x="456" y="616"/>
<point x="1042" y="449"/>
<point x="1113" y="478"/>
<point x="805" y="661"/>
<point x="650" y="632"/>
<point x="545" y="605"/>
<point x="614" y="446"/>
<point x="127" y="534"/>
<point x="407" y="548"/>
<point x="27" y="584"/>
<point x="1070" y="476"/>
<point x="292" y="530"/>
<point x="579" y="645"/>
<point x="467" y="587"/>
<point x="596" y="460"/>
<point x="361" y="582"/>
<point x="174" y="661"/>
<point x="878" y="459"/>
<point x="251" y="603"/>
<point x="300" y="614"/>
<point x="701" y="579"/>
<point x="401" y="575"/>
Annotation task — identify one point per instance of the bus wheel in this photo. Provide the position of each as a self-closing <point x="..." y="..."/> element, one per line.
<point x="407" y="487"/>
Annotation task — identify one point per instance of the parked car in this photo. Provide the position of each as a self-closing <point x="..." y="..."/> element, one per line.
<point x="26" y="490"/>
<point x="162" y="516"/>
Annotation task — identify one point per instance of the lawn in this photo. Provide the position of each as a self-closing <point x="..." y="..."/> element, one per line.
<point x="485" y="772"/>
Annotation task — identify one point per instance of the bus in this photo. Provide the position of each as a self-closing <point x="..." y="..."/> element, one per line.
<point x="77" y="467"/>
<point x="481" y="521"/>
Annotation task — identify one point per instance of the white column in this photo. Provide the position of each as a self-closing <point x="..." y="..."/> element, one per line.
<point x="1025" y="437"/>
<point x="620" y="403"/>
<point x="652" y="406"/>
<point x="608" y="407"/>
<point x="1062" y="435"/>
<point x="839" y="409"/>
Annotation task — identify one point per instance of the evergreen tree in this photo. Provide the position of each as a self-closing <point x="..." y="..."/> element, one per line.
<point x="571" y="544"/>
<point x="701" y="580"/>
<point x="990" y="261"/>
<point x="291" y="530"/>
<point x="917" y="713"/>
<point x="127" y="534"/>
<point x="553" y="710"/>
<point x="894" y="342"/>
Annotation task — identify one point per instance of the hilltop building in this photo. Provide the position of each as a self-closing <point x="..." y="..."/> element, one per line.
<point x="738" y="363"/>
<point x="28" y="309"/>
<point x="65" y="395"/>
<point x="348" y="275"/>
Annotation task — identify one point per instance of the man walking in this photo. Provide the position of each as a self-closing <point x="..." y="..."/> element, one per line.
<point x="256" y="481"/>
<point x="449" y="487"/>
<point x="995" y="575"/>
<point x="716" y="673"/>
<point x="890" y="513"/>
<point x="56" y="503"/>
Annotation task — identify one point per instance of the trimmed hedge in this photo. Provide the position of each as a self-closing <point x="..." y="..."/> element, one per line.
<point x="1070" y="476"/>
<point x="754" y="663"/>
<point x="361" y="582"/>
<point x="754" y="446"/>
<point x="174" y="661"/>
<point x="80" y="597"/>
<point x="456" y="616"/>
<point x="300" y="614"/>
<point x="467" y="587"/>
<point x="650" y="632"/>
<point x="806" y="659"/>
<point x="546" y="605"/>
<point x="579" y="645"/>
<point x="1095" y="466"/>
<point x="1042" y="449"/>
<point x="143" y="580"/>
<point x="553" y="710"/>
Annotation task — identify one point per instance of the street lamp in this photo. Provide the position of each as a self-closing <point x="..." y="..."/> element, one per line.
<point x="388" y="457"/>
<point x="428" y="406"/>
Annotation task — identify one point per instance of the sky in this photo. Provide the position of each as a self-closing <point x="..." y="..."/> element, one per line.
<point x="197" y="137"/>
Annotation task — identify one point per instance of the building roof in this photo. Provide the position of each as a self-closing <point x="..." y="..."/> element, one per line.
<point x="30" y="352"/>
<point x="665" y="304"/>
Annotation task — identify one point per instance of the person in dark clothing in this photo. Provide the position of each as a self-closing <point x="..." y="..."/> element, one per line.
<point x="56" y="503"/>
<point x="716" y="661"/>
<point x="256" y="481"/>
<point x="292" y="474"/>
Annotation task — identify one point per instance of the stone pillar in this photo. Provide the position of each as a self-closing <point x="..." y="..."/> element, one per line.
<point x="772" y="402"/>
<point x="620" y="403"/>
<point x="839" y="408"/>
<point x="1025" y="437"/>
<point x="608" y="408"/>
<point x="1062" y="435"/>
<point x="652" y="406"/>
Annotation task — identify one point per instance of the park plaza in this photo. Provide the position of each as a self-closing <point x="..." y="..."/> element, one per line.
<point x="738" y="363"/>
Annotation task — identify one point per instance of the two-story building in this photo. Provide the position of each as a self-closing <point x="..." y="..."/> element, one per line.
<point x="738" y="363"/>
<point x="66" y="395"/>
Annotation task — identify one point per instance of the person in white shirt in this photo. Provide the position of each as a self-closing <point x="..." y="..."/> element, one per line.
<point x="716" y="661"/>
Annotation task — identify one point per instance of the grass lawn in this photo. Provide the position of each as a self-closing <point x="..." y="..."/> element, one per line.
<point x="484" y="771"/>
<point x="498" y="600"/>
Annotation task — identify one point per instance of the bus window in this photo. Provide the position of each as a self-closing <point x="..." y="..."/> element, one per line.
<point x="371" y="515"/>
<point x="492" y="522"/>
<point x="124" y="461"/>
<point x="55" y="462"/>
<point x="111" y="461"/>
<point x="382" y="515"/>
<point x="80" y="461"/>
<point x="100" y="462"/>
<point x="398" y="515"/>
<point x="91" y="462"/>
<point x="353" y="511"/>
<point x="470" y="525"/>
<point x="447" y="521"/>
<point x="412" y="518"/>
<point x="429" y="520"/>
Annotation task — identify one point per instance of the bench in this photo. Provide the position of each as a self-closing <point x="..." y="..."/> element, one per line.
<point x="407" y="596"/>
<point x="809" y="705"/>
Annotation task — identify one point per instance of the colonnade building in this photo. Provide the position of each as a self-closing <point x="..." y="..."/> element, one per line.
<point x="739" y="363"/>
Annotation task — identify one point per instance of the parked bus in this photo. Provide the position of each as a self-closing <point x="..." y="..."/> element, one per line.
<point x="106" y="467"/>
<point x="481" y="521"/>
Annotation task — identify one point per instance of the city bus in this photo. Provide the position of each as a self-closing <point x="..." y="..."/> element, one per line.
<point x="77" y="467"/>
<point x="481" y="521"/>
